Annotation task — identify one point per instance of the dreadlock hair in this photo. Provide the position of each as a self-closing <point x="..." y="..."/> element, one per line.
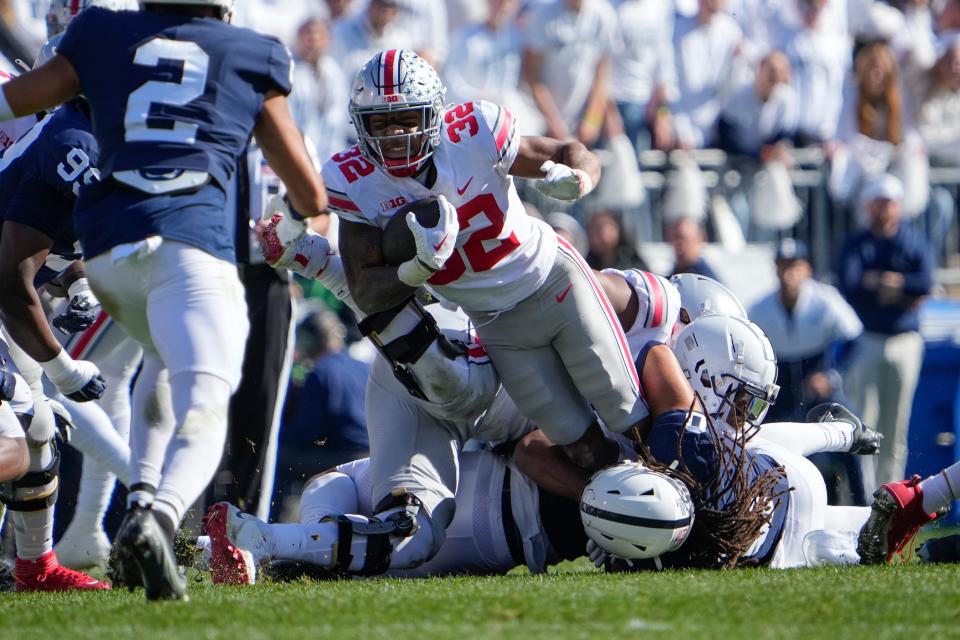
<point x="721" y="535"/>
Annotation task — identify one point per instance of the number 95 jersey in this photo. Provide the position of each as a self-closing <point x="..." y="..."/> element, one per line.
<point x="502" y="255"/>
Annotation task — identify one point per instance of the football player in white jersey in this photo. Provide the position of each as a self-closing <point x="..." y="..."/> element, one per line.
<point x="539" y="311"/>
<point x="426" y="396"/>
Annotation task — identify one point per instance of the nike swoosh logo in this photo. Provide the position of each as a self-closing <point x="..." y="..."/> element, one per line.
<point x="562" y="296"/>
<point x="460" y="192"/>
<point x="437" y="246"/>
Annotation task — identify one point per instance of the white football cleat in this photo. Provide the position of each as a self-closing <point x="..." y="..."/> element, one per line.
<point x="83" y="549"/>
<point x="238" y="541"/>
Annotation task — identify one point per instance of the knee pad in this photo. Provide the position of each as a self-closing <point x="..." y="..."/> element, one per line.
<point x="36" y="490"/>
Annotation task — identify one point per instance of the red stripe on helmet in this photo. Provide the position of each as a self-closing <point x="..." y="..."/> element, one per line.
<point x="389" y="64"/>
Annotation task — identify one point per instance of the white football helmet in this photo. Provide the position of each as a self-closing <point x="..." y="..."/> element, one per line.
<point x="730" y="362"/>
<point x="635" y="513"/>
<point x="225" y="6"/>
<point x="393" y="81"/>
<point x="61" y="12"/>
<point x="700" y="295"/>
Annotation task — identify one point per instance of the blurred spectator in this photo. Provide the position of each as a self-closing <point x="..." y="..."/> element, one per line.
<point x="356" y="38"/>
<point x="484" y="64"/>
<point x="327" y="424"/>
<point x="425" y="22"/>
<point x="340" y="9"/>
<point x="706" y="48"/>
<point x="278" y="18"/>
<point x="948" y="19"/>
<point x="566" y="62"/>
<point x="884" y="272"/>
<point x="805" y="320"/>
<point x="819" y="53"/>
<point x="319" y="98"/>
<point x="937" y="93"/>
<point x="610" y="246"/>
<point x="27" y="19"/>
<point x="809" y="324"/>
<point x="915" y="44"/>
<point x="875" y="133"/>
<point x="642" y="63"/>
<point x="462" y="13"/>
<point x="570" y="230"/>
<point x="761" y="113"/>
<point x="687" y="237"/>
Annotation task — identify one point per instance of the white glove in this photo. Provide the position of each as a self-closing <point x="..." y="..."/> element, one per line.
<point x="306" y="254"/>
<point x="564" y="183"/>
<point x="290" y="225"/>
<point x="434" y="245"/>
<point x="79" y="380"/>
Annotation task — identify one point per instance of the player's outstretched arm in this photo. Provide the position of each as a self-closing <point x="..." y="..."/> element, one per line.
<point x="373" y="284"/>
<point x="284" y="149"/>
<point x="45" y="87"/>
<point x="566" y="167"/>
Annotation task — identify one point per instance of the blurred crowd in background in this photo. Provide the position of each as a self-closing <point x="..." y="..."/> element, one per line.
<point x="825" y="131"/>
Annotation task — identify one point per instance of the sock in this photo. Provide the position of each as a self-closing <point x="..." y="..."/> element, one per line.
<point x="938" y="490"/>
<point x="151" y="428"/>
<point x="33" y="530"/>
<point x="97" y="439"/>
<point x="200" y="402"/>
<point x="805" y="438"/>
<point x="93" y="499"/>
<point x="308" y="542"/>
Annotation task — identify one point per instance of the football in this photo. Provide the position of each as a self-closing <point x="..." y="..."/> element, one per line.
<point x="397" y="242"/>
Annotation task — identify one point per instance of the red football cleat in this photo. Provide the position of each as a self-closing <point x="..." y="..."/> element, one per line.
<point x="47" y="574"/>
<point x="895" y="518"/>
<point x="230" y="561"/>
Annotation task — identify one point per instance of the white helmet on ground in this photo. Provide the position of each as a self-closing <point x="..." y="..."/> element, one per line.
<point x="730" y="362"/>
<point x="225" y="6"/>
<point x="61" y="12"/>
<point x="394" y="81"/>
<point x="635" y="513"/>
<point x="700" y="295"/>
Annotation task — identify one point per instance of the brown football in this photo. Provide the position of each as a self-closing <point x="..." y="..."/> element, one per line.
<point x="397" y="242"/>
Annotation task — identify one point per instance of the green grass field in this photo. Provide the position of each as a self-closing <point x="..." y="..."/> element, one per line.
<point x="863" y="603"/>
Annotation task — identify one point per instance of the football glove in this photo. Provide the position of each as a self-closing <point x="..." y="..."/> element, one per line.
<point x="291" y="224"/>
<point x="564" y="183"/>
<point x="82" y="310"/>
<point x="8" y="385"/>
<point x="599" y="557"/>
<point x="306" y="254"/>
<point x="434" y="245"/>
<point x="79" y="380"/>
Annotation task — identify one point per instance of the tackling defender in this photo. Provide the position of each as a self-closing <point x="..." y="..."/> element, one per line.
<point x="175" y="93"/>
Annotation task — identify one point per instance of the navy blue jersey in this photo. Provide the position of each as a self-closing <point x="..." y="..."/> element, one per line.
<point x="172" y="97"/>
<point x="41" y="175"/>
<point x="700" y="454"/>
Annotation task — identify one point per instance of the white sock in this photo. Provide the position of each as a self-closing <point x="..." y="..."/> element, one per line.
<point x="200" y="402"/>
<point x="805" y="438"/>
<point x="152" y="425"/>
<point x="940" y="489"/>
<point x="97" y="439"/>
<point x="93" y="498"/>
<point x="308" y="542"/>
<point x="33" y="530"/>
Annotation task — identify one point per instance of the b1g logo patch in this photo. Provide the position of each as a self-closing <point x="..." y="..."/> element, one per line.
<point x="393" y="203"/>
<point x="393" y="98"/>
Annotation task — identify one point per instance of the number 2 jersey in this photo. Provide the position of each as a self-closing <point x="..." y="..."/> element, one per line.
<point x="174" y="101"/>
<point x="502" y="255"/>
<point x="40" y="177"/>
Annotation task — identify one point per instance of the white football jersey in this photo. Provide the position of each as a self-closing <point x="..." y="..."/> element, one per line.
<point x="658" y="311"/>
<point x="12" y="130"/>
<point x="502" y="255"/>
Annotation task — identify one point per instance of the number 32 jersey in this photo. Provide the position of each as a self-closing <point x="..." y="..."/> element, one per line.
<point x="174" y="101"/>
<point x="502" y="255"/>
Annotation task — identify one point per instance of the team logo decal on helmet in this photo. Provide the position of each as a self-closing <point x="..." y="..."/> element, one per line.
<point x="394" y="81"/>
<point x="636" y="513"/>
<point x="730" y="363"/>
